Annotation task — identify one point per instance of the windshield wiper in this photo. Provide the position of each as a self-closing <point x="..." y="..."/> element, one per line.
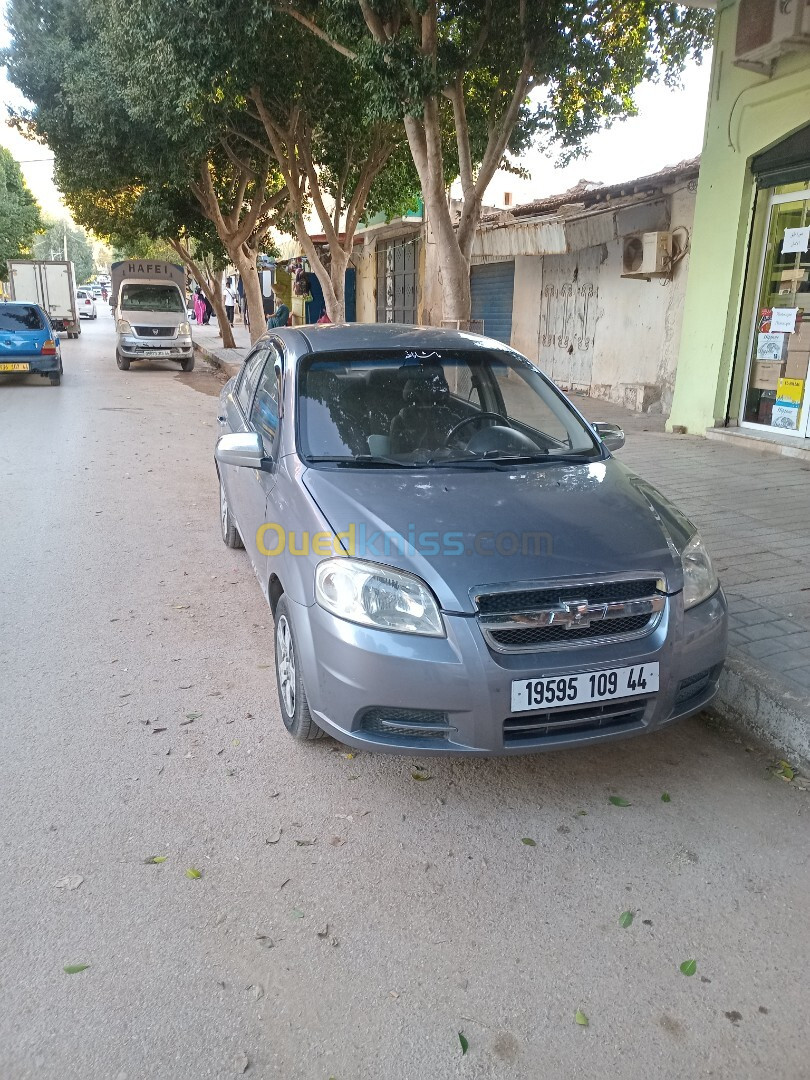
<point x="362" y="461"/>
<point x="545" y="458"/>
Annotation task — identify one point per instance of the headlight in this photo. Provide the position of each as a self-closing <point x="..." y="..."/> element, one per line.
<point x="183" y="328"/>
<point x="124" y="327"/>
<point x="377" y="596"/>
<point x="699" y="578"/>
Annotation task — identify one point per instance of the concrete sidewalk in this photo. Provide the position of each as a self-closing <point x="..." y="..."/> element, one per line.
<point x="753" y="509"/>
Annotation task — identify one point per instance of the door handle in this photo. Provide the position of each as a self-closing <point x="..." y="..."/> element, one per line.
<point x="222" y="419"/>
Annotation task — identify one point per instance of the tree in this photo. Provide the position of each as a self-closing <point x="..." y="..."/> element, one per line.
<point x="506" y="73"/>
<point x="59" y="234"/>
<point x="20" y="218"/>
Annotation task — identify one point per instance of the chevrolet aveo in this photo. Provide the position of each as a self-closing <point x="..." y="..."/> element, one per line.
<point x="454" y="560"/>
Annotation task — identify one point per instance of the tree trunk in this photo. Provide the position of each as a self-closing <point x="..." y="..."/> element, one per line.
<point x="245" y="263"/>
<point x="452" y="263"/>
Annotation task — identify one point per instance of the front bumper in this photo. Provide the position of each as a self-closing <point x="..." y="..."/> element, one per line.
<point x="349" y="670"/>
<point x="138" y="348"/>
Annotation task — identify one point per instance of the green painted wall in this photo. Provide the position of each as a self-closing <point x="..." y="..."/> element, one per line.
<point x="747" y="113"/>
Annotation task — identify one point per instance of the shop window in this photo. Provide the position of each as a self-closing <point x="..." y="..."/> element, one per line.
<point x="780" y="342"/>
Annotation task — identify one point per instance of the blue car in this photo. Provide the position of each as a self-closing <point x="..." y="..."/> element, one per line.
<point x="28" y="342"/>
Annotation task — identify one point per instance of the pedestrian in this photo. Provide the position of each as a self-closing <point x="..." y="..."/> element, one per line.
<point x="280" y="318"/>
<point x="209" y="310"/>
<point x="199" y="306"/>
<point x="229" y="299"/>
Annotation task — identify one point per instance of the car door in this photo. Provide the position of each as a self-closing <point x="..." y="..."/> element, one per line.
<point x="264" y="421"/>
<point x="233" y="418"/>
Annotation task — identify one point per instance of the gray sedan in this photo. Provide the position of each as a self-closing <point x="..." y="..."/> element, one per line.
<point x="454" y="559"/>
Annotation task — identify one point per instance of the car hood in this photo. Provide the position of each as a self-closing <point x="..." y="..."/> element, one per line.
<point x="459" y="529"/>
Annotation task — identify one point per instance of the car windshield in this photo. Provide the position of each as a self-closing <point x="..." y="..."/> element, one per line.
<point x="400" y="408"/>
<point x="151" y="298"/>
<point x="20" y="317"/>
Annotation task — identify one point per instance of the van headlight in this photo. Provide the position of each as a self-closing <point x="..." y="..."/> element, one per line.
<point x="184" y="329"/>
<point x="124" y="327"/>
<point x="699" y="578"/>
<point x="377" y="596"/>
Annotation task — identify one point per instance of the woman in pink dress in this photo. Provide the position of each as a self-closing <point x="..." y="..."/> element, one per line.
<point x="199" y="306"/>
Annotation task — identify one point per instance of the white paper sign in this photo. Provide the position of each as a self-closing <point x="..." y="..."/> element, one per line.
<point x="783" y="320"/>
<point x="796" y="239"/>
<point x="785" y="415"/>
<point x="770" y="346"/>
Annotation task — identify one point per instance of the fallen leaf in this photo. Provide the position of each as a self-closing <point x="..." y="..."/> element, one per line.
<point x="666" y="797"/>
<point x="260" y="666"/>
<point x="193" y="872"/>
<point x="72" y="881"/>
<point x="256" y="991"/>
<point x="348" y="756"/>
<point x="617" y="800"/>
<point x="689" y="967"/>
<point x="338" y="841"/>
<point x="305" y="843"/>
<point x="581" y="1018"/>
<point x="420" y="775"/>
<point x="241" y="1062"/>
<point x="74" y="969"/>
<point x="155" y="860"/>
<point x="465" y="1046"/>
<point x="157" y="730"/>
<point x="297" y="913"/>
<point x="626" y="919"/>
<point x="273" y="838"/>
<point x="324" y="931"/>
<point x="582" y="813"/>
<point x="527" y="840"/>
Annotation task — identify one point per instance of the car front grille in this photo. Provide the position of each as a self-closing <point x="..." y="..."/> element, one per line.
<point x="154" y="331"/>
<point x="555" y="617"/>
<point x="610" y="717"/>
<point x="406" y="723"/>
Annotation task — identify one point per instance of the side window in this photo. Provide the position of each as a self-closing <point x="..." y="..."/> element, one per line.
<point x="264" y="414"/>
<point x="249" y="377"/>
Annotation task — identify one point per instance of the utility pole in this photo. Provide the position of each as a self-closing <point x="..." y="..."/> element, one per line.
<point x="66" y="258"/>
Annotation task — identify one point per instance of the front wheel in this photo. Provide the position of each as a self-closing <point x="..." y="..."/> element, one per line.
<point x="230" y="533"/>
<point x="291" y="694"/>
<point x="188" y="365"/>
<point x="122" y="361"/>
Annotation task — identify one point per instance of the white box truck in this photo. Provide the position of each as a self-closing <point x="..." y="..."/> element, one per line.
<point x="148" y="301"/>
<point x="52" y="285"/>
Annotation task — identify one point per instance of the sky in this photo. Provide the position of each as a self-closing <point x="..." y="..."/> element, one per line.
<point x="667" y="129"/>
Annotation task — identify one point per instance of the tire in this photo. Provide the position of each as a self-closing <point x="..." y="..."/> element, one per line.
<point x="230" y="533"/>
<point x="292" y="697"/>
<point x="55" y="379"/>
<point x="122" y="361"/>
<point x="187" y="365"/>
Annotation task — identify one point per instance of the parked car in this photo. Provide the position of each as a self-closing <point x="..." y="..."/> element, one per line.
<point x="85" y="304"/>
<point x="95" y="291"/>
<point x="28" y="342"/>
<point x="454" y="559"/>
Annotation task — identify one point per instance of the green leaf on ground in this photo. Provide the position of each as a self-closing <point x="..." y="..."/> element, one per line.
<point x="689" y="967"/>
<point x="626" y="919"/>
<point x="193" y="872"/>
<point x="465" y="1046"/>
<point x="419" y="775"/>
<point x="581" y="1018"/>
<point x="527" y="840"/>
<point x="74" y="969"/>
<point x="297" y="913"/>
<point x="666" y="797"/>
<point x="155" y="860"/>
<point x="193" y="715"/>
<point x="582" y="813"/>
<point x="617" y="800"/>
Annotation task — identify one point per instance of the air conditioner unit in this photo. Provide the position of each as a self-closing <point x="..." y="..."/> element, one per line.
<point x="768" y="29"/>
<point x="648" y="255"/>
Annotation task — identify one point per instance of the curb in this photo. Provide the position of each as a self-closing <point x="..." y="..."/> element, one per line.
<point x="228" y="367"/>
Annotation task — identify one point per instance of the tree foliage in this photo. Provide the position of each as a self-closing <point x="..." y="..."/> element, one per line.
<point x="20" y="218"/>
<point x="50" y="244"/>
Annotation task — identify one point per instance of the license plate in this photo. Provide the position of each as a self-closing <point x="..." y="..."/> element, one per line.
<point x="15" y="367"/>
<point x="587" y="686"/>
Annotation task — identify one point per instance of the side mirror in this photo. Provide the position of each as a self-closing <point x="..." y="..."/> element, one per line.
<point x="611" y="435"/>
<point x="243" y="450"/>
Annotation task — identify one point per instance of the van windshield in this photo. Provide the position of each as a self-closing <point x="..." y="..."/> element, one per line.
<point x="151" y="298"/>
<point x="20" y="317"/>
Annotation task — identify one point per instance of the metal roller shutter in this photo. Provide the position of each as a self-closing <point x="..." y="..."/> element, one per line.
<point x="492" y="286"/>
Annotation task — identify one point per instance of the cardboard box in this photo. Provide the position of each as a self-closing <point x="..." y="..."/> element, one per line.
<point x="766" y="374"/>
<point x="797" y="364"/>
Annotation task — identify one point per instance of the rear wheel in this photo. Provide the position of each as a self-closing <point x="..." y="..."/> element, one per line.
<point x="188" y="365"/>
<point x="230" y="533"/>
<point x="56" y="378"/>
<point x="122" y="361"/>
<point x="291" y="694"/>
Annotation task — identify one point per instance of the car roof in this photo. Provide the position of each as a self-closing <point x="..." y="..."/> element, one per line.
<point x="334" y="337"/>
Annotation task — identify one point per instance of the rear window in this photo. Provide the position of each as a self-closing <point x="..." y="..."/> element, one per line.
<point x="152" y="298"/>
<point x="20" y="317"/>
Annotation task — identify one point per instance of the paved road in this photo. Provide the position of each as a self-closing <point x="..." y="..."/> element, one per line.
<point x="349" y="920"/>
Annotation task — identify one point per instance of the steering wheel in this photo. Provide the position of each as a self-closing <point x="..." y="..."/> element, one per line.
<point x="474" y="419"/>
